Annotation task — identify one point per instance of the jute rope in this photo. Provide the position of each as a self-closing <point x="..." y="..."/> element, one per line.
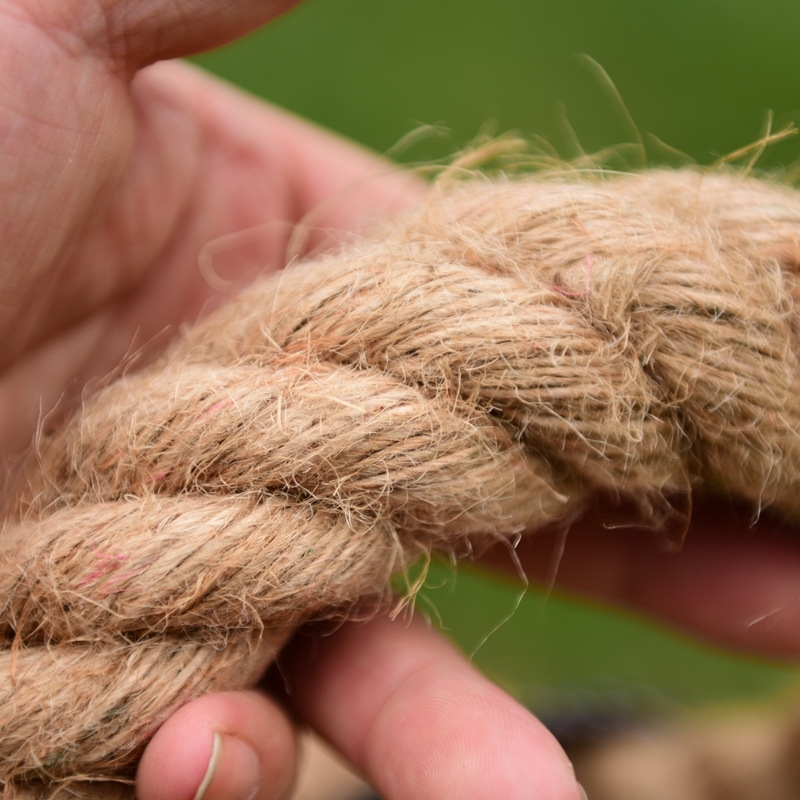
<point x="480" y="369"/>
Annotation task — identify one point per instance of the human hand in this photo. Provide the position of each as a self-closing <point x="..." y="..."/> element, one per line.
<point x="113" y="176"/>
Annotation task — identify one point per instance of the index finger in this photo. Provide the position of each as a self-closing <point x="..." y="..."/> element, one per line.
<point x="414" y="717"/>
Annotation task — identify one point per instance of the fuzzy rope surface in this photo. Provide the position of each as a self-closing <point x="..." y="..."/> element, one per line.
<point x="480" y="369"/>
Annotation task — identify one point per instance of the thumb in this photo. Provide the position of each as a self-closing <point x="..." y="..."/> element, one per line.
<point x="227" y="746"/>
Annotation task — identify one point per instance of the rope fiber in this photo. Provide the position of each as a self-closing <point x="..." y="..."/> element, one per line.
<point x="480" y="368"/>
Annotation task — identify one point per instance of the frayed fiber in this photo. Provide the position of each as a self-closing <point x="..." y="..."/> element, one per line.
<point x="481" y="368"/>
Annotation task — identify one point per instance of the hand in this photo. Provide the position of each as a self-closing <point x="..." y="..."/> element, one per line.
<point x="113" y="175"/>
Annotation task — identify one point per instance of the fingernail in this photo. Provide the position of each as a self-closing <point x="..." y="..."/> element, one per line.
<point x="233" y="771"/>
<point x="583" y="792"/>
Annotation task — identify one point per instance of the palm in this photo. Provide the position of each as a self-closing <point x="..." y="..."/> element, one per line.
<point x="108" y="191"/>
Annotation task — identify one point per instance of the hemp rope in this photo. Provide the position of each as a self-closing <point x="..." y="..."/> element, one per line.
<point x="481" y="368"/>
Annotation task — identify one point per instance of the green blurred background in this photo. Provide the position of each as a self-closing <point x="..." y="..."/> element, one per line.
<point x="703" y="76"/>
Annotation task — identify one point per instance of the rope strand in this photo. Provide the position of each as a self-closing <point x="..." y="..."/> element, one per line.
<point x="479" y="369"/>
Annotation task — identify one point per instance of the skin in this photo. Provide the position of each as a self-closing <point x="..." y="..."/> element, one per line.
<point x="115" y="171"/>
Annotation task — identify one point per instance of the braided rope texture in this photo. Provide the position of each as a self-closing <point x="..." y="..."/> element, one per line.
<point x="479" y="369"/>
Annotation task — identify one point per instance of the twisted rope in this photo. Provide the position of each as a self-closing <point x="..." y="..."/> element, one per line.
<point x="480" y="369"/>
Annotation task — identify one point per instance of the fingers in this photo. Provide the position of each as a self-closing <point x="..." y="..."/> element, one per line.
<point x="732" y="582"/>
<point x="131" y="34"/>
<point x="400" y="703"/>
<point x="140" y="33"/>
<point x="231" y="746"/>
<point x="418" y="721"/>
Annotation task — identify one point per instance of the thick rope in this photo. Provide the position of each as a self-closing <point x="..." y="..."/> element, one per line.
<point x="480" y="369"/>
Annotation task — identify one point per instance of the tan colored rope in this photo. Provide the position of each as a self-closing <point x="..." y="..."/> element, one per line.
<point x="479" y="369"/>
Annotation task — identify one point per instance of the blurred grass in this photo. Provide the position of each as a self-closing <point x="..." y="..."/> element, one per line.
<point x="702" y="75"/>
